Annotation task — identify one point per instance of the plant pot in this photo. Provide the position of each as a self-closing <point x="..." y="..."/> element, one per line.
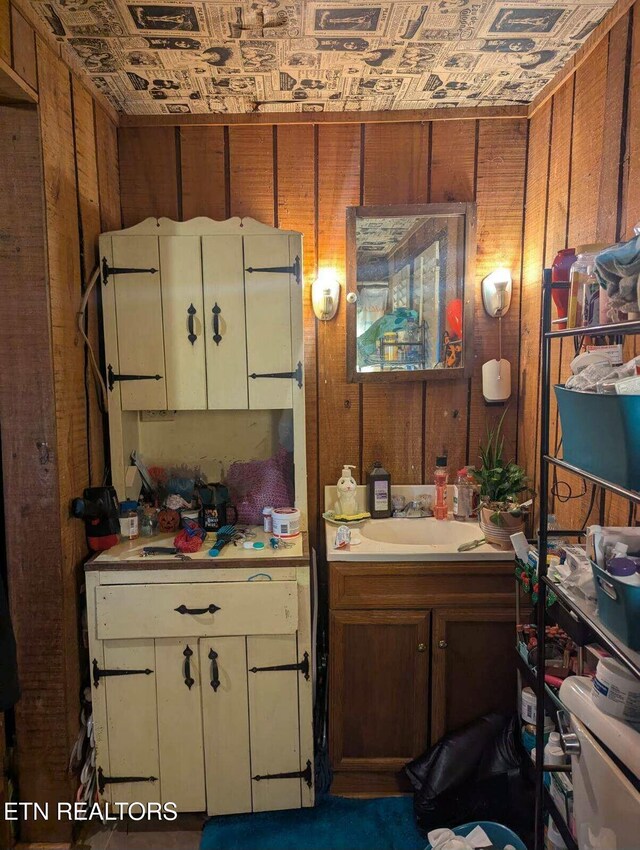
<point x="500" y="533"/>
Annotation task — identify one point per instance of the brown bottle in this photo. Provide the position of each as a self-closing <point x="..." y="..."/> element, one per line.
<point x="379" y="492"/>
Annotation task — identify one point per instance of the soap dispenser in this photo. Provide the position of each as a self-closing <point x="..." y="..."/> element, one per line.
<point x="379" y="491"/>
<point x="347" y="503"/>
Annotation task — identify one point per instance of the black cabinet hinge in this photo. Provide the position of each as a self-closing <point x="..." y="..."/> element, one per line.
<point x="112" y="377"/>
<point x="291" y="375"/>
<point x="302" y="666"/>
<point x="296" y="774"/>
<point x="108" y="270"/>
<point x="295" y="270"/>
<point x="99" y="673"/>
<point x="120" y="780"/>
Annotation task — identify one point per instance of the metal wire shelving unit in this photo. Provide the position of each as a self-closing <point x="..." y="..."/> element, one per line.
<point x="582" y="612"/>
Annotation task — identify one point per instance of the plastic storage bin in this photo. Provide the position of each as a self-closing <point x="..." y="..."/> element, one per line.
<point x="601" y="434"/>
<point x="618" y="606"/>
<point x="499" y="835"/>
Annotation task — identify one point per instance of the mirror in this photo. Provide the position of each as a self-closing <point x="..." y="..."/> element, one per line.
<point x="410" y="283"/>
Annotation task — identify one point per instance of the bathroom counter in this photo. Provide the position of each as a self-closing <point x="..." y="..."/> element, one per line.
<point x="415" y="539"/>
<point x="128" y="555"/>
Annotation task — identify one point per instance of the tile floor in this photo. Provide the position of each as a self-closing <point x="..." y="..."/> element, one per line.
<point x="181" y="834"/>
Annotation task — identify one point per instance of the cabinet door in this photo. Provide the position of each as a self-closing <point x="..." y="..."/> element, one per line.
<point x="268" y="307"/>
<point x="224" y="322"/>
<point x="180" y="739"/>
<point x="473" y="669"/>
<point x="379" y="667"/>
<point x="132" y="725"/>
<point x="274" y="723"/>
<point x="225" y="707"/>
<point x="138" y="304"/>
<point x="183" y="322"/>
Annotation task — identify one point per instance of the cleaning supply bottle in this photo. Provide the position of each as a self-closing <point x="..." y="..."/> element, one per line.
<point x="379" y="491"/>
<point x="463" y="496"/>
<point x="347" y="504"/>
<point x="441" y="478"/>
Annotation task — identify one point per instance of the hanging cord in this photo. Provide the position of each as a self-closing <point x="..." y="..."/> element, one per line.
<point x="555" y="484"/>
<point x="100" y="383"/>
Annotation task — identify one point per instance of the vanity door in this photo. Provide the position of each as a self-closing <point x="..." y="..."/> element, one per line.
<point x="225" y="323"/>
<point x="473" y="669"/>
<point x="133" y="324"/>
<point x="180" y="735"/>
<point x="183" y="323"/>
<point x="268" y="280"/>
<point x="379" y="670"/>
<point x="126" y="684"/>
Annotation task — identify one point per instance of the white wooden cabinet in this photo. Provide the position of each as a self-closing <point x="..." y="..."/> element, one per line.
<point x="202" y="316"/>
<point x="211" y="308"/>
<point x="210" y="711"/>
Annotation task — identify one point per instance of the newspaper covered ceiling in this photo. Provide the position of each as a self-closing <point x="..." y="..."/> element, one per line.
<point x="180" y="56"/>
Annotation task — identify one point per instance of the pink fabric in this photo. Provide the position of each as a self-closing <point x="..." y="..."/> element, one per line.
<point x="257" y="484"/>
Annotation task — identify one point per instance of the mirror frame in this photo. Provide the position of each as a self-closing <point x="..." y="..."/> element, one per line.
<point x="465" y="210"/>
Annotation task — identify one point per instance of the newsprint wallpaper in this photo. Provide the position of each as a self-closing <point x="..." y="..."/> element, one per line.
<point x="176" y="56"/>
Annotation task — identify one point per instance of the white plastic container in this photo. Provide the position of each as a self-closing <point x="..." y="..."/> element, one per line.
<point x="286" y="522"/>
<point x="267" y="521"/>
<point x="528" y="705"/>
<point x="554" y="840"/>
<point x="616" y="692"/>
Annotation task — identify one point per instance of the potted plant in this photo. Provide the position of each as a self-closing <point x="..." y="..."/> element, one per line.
<point x="501" y="485"/>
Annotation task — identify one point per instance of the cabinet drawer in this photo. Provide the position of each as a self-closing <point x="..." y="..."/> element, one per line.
<point x="361" y="585"/>
<point x="149" y="610"/>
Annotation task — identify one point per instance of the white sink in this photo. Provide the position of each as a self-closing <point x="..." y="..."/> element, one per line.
<point x="425" y="531"/>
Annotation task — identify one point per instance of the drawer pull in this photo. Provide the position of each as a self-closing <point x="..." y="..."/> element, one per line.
<point x="189" y="682"/>
<point x="99" y="673"/>
<point x="302" y="666"/>
<point x="215" y="677"/>
<point x="422" y="647"/>
<point x="210" y="609"/>
<point x="217" y="336"/>
<point x="294" y="774"/>
<point x="442" y="644"/>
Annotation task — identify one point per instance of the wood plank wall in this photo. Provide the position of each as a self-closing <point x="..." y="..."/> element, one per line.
<point x="303" y="177"/>
<point x="69" y="147"/>
<point x="582" y="178"/>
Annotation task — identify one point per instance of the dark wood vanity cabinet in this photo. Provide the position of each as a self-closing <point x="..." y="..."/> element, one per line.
<point x="416" y="651"/>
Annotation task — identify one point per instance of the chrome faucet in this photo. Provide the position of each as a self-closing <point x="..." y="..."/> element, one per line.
<point x="410" y="510"/>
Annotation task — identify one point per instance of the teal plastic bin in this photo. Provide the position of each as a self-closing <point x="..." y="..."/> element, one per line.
<point x="499" y="835"/>
<point x="618" y="606"/>
<point x="601" y="434"/>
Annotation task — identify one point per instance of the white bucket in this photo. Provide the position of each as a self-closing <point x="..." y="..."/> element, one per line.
<point x="616" y="691"/>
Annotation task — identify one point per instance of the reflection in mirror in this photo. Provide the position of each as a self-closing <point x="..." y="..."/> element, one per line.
<point x="410" y="286"/>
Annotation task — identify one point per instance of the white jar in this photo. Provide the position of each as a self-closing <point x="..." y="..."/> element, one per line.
<point x="286" y="522"/>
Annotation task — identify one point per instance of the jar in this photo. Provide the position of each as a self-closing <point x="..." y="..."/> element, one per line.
<point x="148" y="521"/>
<point x="584" y="289"/>
<point x="267" y="522"/>
<point x="128" y="520"/>
<point x="286" y="522"/>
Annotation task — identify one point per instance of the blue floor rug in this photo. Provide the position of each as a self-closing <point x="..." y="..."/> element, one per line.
<point x="336" y="823"/>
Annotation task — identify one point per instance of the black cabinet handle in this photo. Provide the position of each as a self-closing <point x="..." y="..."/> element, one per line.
<point x="215" y="678"/>
<point x="210" y="609"/>
<point x="190" y="314"/>
<point x="189" y="682"/>
<point x="217" y="337"/>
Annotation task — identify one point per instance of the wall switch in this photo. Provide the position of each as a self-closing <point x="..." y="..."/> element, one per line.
<point x="157" y="415"/>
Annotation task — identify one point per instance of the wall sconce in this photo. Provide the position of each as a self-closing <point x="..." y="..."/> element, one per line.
<point x="496" y="293"/>
<point x="325" y="294"/>
<point x="496" y="373"/>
